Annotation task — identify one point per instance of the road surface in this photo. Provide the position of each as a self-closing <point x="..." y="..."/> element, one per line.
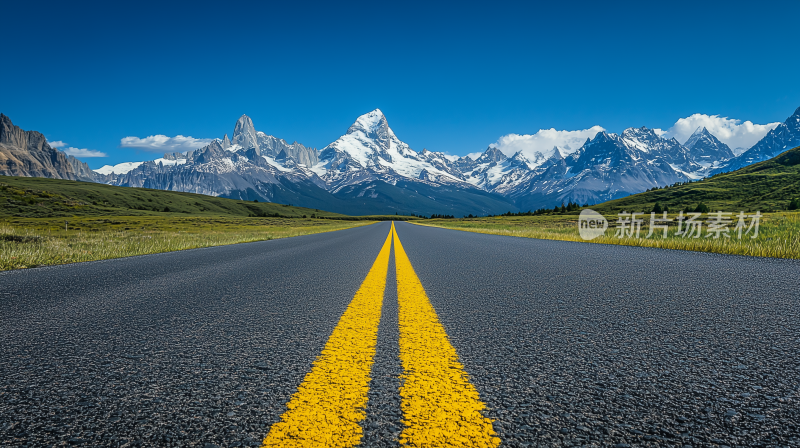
<point x="469" y="339"/>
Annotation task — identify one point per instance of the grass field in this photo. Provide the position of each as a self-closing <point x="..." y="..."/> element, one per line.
<point x="34" y="197"/>
<point x="31" y="242"/>
<point x="779" y="233"/>
<point x="52" y="221"/>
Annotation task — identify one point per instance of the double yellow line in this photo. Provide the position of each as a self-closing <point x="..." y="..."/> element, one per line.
<point x="440" y="406"/>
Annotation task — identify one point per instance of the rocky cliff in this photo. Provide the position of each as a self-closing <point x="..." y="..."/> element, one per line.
<point x="27" y="154"/>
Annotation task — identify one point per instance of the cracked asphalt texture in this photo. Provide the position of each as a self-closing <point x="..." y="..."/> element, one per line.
<point x="569" y="344"/>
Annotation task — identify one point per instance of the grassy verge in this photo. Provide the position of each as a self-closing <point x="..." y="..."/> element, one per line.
<point x="31" y="242"/>
<point x="779" y="234"/>
<point x="36" y="197"/>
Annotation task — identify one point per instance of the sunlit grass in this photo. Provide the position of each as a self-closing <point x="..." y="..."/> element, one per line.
<point x="32" y="242"/>
<point x="779" y="234"/>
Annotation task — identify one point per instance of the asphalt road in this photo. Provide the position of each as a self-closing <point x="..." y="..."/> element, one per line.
<point x="567" y="343"/>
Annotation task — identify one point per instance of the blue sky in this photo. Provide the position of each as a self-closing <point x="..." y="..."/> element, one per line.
<point x="451" y="77"/>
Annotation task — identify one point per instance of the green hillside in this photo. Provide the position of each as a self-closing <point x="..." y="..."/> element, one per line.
<point x="34" y="197"/>
<point x="419" y="198"/>
<point x="766" y="186"/>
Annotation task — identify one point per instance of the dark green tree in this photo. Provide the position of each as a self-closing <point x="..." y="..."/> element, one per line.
<point x="657" y="208"/>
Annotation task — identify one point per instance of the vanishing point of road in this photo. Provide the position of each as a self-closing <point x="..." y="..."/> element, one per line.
<point x="403" y="335"/>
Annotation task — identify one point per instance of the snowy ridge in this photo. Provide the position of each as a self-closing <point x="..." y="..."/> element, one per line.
<point x="606" y="166"/>
<point x="371" y="150"/>
<point x="120" y="168"/>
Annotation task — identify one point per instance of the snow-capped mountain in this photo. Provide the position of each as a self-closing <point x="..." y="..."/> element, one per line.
<point x="653" y="147"/>
<point x="784" y="137"/>
<point x="609" y="166"/>
<point x="370" y="170"/>
<point x="371" y="151"/>
<point x="494" y="171"/>
<point x="366" y="171"/>
<point x="707" y="149"/>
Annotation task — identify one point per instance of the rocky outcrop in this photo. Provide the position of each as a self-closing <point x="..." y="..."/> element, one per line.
<point x="278" y="149"/>
<point x="27" y="154"/>
<point x="244" y="134"/>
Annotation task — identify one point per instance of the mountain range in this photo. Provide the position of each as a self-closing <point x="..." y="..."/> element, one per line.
<point x="370" y="170"/>
<point x="784" y="137"/>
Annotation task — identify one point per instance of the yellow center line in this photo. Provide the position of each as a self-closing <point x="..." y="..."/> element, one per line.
<point x="330" y="402"/>
<point x="440" y="406"/>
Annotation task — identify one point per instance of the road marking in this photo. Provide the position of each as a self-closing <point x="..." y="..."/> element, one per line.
<point x="330" y="403"/>
<point x="440" y="406"/>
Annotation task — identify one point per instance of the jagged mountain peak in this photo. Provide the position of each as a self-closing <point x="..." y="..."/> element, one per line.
<point x="492" y="154"/>
<point x="643" y="131"/>
<point x="244" y="134"/>
<point x="519" y="156"/>
<point x="370" y="150"/>
<point x="372" y="124"/>
<point x="244" y="120"/>
<point x="27" y="153"/>
<point x="9" y="133"/>
<point x="706" y="147"/>
<point x="226" y="143"/>
<point x="647" y="140"/>
<point x="699" y="133"/>
<point x="600" y="137"/>
<point x="785" y="136"/>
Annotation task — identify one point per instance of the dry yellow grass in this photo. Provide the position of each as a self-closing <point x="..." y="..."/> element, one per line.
<point x="30" y="242"/>
<point x="779" y="234"/>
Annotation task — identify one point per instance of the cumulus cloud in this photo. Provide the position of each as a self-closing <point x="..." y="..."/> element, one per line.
<point x="474" y="155"/>
<point x="57" y="144"/>
<point x="77" y="152"/>
<point x="162" y="143"/>
<point x="83" y="152"/>
<point x="544" y="141"/>
<point x="732" y="132"/>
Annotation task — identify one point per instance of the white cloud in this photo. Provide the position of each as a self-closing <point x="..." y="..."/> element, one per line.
<point x="162" y="143"/>
<point x="732" y="132"/>
<point x="83" y="152"/>
<point x="77" y="152"/>
<point x="544" y="141"/>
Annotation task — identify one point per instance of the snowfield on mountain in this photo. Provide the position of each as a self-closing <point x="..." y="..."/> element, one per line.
<point x="370" y="170"/>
